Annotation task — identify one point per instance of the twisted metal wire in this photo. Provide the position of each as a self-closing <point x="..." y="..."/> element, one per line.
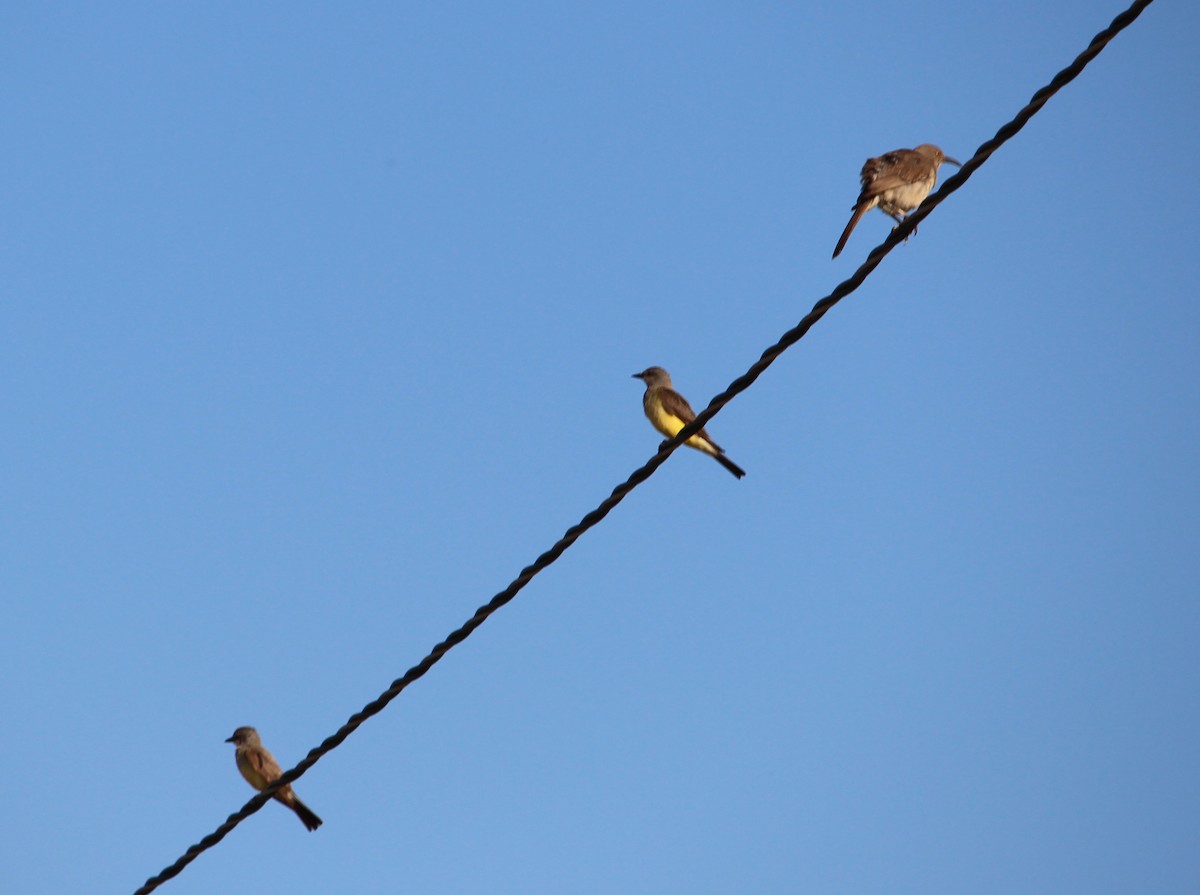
<point x="739" y="385"/>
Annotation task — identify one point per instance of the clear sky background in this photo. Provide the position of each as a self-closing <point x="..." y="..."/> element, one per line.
<point x="318" y="325"/>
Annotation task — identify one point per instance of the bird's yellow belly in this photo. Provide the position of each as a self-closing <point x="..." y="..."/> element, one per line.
<point x="669" y="425"/>
<point x="253" y="777"/>
<point x="666" y="423"/>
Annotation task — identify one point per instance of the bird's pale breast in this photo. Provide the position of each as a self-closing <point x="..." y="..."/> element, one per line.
<point x="903" y="199"/>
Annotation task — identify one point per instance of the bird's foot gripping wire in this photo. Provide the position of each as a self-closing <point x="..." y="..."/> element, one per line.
<point x="911" y="233"/>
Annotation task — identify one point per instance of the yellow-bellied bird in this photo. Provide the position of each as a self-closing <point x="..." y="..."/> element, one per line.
<point x="896" y="183"/>
<point x="668" y="411"/>
<point x="260" y="769"/>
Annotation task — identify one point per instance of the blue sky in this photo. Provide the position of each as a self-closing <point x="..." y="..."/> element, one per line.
<point x="319" y="325"/>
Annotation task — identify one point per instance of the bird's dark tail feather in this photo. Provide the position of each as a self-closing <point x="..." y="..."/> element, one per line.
<point x="730" y="465"/>
<point x="859" y="210"/>
<point x="310" y="820"/>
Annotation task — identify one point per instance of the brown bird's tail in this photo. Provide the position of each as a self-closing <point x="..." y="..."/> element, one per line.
<point x="730" y="465"/>
<point x="310" y="820"/>
<point x="859" y="210"/>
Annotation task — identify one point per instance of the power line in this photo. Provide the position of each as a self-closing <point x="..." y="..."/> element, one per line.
<point x="739" y="385"/>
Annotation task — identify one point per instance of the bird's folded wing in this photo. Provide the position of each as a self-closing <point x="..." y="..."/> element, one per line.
<point x="891" y="170"/>
<point x="676" y="404"/>
<point x="264" y="765"/>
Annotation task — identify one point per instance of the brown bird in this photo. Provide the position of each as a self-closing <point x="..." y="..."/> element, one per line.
<point x="896" y="183"/>
<point x="668" y="411"/>
<point x="260" y="769"/>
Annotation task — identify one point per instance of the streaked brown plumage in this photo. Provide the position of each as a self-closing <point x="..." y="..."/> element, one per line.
<point x="668" y="411"/>
<point x="260" y="769"/>
<point x="896" y="183"/>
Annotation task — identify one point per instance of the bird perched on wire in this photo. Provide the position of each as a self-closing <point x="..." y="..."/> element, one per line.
<point x="896" y="183"/>
<point x="260" y="769"/>
<point x="668" y="411"/>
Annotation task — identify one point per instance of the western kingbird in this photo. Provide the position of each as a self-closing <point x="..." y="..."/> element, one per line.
<point x="260" y="768"/>
<point x="668" y="411"/>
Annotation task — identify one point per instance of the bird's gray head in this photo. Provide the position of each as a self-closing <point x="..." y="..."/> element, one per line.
<point x="244" y="736"/>
<point x="936" y="155"/>
<point x="653" y="376"/>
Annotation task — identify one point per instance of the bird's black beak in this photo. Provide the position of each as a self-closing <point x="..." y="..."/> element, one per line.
<point x="638" y="375"/>
<point x="953" y="161"/>
<point x="230" y="740"/>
